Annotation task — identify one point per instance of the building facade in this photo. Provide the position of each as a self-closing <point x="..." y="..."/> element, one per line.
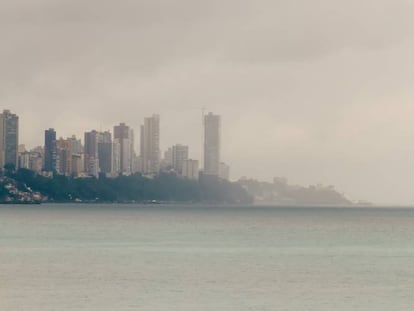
<point x="179" y="155"/>
<point x="50" y="151"/>
<point x="212" y="127"/>
<point x="105" y="152"/>
<point x="190" y="169"/>
<point x="91" y="159"/>
<point x="150" y="145"/>
<point x="124" y="138"/>
<point x="64" y="153"/>
<point x="9" y="138"/>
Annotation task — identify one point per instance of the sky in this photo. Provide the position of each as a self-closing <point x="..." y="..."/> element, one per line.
<point x="315" y="91"/>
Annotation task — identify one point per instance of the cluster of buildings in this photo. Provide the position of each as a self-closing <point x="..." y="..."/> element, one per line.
<point x="111" y="154"/>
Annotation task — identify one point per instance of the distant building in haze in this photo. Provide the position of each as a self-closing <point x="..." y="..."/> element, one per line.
<point x="37" y="155"/>
<point x="9" y="138"/>
<point x="150" y="145"/>
<point x="77" y="164"/>
<point x="166" y="161"/>
<point x="168" y="157"/>
<point x="23" y="157"/>
<point x="224" y="171"/>
<point x="212" y="144"/>
<point x="76" y="145"/>
<point x="31" y="160"/>
<point x="50" y="151"/>
<point x="24" y="160"/>
<point x="64" y="153"/>
<point x="105" y="152"/>
<point x="190" y="169"/>
<point x="179" y="155"/>
<point x="116" y="158"/>
<point x="124" y="138"/>
<point x="91" y="159"/>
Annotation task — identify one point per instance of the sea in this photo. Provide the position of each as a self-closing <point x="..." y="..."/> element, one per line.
<point x="58" y="257"/>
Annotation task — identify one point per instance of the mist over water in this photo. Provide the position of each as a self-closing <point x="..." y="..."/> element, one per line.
<point x="123" y="257"/>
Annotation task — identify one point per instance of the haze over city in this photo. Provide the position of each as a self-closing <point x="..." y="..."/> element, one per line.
<point x="318" y="92"/>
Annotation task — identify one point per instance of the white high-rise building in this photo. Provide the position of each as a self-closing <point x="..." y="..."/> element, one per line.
<point x="150" y="145"/>
<point x="212" y="144"/>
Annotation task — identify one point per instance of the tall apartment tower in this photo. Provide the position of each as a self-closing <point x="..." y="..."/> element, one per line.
<point x="50" y="151"/>
<point x="76" y="145"/>
<point x="150" y="145"/>
<point x="78" y="162"/>
<point x="105" y="152"/>
<point x="9" y="138"/>
<point x="179" y="155"/>
<point x="212" y="124"/>
<point x="91" y="153"/>
<point x="124" y="139"/>
<point x="64" y="149"/>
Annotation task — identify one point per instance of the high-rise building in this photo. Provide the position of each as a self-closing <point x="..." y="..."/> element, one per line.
<point x="91" y="153"/>
<point x="64" y="151"/>
<point x="211" y="144"/>
<point x="133" y="155"/>
<point x="168" y="157"/>
<point x="166" y="161"/>
<point x="37" y="155"/>
<point x="76" y="155"/>
<point x="24" y="160"/>
<point x="105" y="152"/>
<point x="50" y="151"/>
<point x="9" y="138"/>
<point x="190" y="169"/>
<point x="77" y="164"/>
<point x="116" y="158"/>
<point x="150" y="145"/>
<point x="179" y="155"/>
<point x="76" y="145"/>
<point x="31" y="160"/>
<point x="124" y="137"/>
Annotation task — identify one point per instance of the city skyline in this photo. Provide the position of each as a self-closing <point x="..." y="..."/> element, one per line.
<point x="198" y="156"/>
<point x="113" y="153"/>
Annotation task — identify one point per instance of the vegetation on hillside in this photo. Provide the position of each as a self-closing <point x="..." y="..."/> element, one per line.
<point x="134" y="188"/>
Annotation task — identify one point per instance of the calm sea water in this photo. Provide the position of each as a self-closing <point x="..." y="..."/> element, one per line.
<point x="118" y="257"/>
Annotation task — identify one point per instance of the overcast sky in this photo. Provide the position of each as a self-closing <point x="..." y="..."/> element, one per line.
<point x="317" y="91"/>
